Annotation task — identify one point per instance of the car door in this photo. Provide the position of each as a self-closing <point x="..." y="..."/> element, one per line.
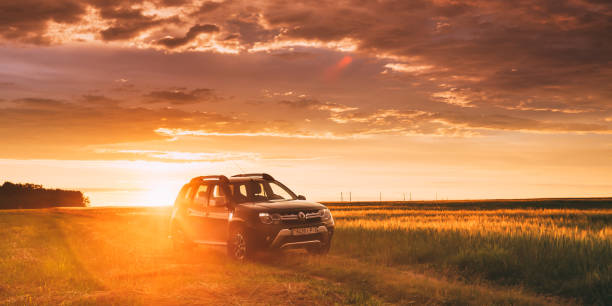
<point x="179" y="213"/>
<point x="218" y="214"/>
<point x="196" y="212"/>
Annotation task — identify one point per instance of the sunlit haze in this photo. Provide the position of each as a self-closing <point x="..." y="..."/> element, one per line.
<point x="391" y="100"/>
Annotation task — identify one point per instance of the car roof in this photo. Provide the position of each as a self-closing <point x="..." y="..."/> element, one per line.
<point x="222" y="178"/>
<point x="244" y="179"/>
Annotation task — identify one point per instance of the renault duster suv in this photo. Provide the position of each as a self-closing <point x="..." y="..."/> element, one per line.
<point x="246" y="213"/>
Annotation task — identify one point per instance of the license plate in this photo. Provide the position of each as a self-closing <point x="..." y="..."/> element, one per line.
<point x="304" y="231"/>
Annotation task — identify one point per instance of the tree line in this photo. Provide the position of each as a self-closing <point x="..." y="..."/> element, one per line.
<point x="19" y="196"/>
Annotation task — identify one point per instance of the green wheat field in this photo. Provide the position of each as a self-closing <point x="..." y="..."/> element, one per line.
<point x="502" y="252"/>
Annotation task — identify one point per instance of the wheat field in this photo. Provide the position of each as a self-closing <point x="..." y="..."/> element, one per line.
<point x="551" y="250"/>
<point x="542" y="252"/>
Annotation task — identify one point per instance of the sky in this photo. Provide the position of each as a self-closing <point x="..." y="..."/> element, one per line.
<point x="128" y="100"/>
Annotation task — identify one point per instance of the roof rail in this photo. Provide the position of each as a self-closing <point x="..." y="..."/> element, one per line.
<point x="210" y="177"/>
<point x="264" y="176"/>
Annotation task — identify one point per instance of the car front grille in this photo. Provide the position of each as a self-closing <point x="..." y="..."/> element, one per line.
<point x="292" y="218"/>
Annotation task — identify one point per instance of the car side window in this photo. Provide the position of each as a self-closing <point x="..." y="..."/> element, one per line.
<point x="181" y="197"/>
<point x="239" y="192"/>
<point x="187" y="194"/>
<point x="256" y="189"/>
<point x="217" y="196"/>
<point x="200" y="201"/>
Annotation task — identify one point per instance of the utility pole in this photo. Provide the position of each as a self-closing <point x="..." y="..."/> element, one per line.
<point x="350" y="197"/>
<point x="411" y="196"/>
<point x="341" y="200"/>
<point x="404" y="196"/>
<point x="379" y="196"/>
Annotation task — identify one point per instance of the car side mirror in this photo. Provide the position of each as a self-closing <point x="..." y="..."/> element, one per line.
<point x="301" y="197"/>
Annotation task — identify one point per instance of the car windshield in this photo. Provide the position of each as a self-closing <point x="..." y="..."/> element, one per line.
<point x="260" y="191"/>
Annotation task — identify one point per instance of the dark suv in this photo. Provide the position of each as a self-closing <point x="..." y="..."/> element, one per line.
<point x="248" y="212"/>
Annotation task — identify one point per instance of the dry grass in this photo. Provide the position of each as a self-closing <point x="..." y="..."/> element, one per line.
<point x="381" y="254"/>
<point x="571" y="223"/>
<point x="116" y="257"/>
<point x="559" y="251"/>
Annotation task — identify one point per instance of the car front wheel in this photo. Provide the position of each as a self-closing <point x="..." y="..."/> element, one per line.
<point x="238" y="245"/>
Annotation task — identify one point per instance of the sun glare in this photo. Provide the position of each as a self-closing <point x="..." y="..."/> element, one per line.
<point x="159" y="194"/>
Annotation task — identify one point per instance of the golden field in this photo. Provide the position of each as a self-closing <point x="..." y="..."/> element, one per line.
<point x="466" y="252"/>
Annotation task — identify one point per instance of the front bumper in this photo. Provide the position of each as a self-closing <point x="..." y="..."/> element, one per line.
<point x="285" y="239"/>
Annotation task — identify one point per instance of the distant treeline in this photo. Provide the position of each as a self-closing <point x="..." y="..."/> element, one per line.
<point x="16" y="196"/>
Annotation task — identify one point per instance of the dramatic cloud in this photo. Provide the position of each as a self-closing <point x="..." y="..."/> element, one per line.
<point x="27" y="20"/>
<point x="98" y="100"/>
<point x="193" y="32"/>
<point x="521" y="66"/>
<point x="181" y="96"/>
<point x="317" y="105"/>
<point x="36" y="120"/>
<point x="266" y="133"/>
<point x="493" y="53"/>
<point x="522" y="86"/>
<point x="187" y="156"/>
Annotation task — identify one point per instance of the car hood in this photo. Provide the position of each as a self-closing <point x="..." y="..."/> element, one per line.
<point x="292" y="204"/>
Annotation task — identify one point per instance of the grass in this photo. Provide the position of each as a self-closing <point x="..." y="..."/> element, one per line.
<point x="117" y="257"/>
<point x="398" y="253"/>
<point x="555" y="251"/>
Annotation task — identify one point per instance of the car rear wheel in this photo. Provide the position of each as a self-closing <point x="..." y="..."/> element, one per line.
<point x="180" y="242"/>
<point x="238" y="245"/>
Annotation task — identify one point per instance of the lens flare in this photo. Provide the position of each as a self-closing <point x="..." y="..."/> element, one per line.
<point x="334" y="72"/>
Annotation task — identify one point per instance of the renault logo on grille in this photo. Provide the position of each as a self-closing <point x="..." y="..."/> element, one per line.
<point x="302" y="216"/>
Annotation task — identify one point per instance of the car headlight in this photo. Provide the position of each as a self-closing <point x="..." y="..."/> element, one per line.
<point x="326" y="215"/>
<point x="266" y="218"/>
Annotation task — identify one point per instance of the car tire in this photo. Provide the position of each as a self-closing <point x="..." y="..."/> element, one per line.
<point x="239" y="246"/>
<point x="180" y="241"/>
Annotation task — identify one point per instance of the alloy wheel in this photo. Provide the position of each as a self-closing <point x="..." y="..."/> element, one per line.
<point x="240" y="247"/>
